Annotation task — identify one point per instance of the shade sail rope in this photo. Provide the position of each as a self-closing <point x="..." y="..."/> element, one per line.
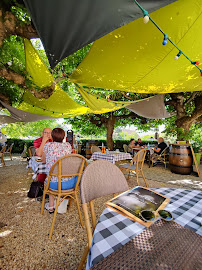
<point x="166" y="37"/>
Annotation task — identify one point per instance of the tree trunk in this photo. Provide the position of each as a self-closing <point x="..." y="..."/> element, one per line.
<point x="110" y="129"/>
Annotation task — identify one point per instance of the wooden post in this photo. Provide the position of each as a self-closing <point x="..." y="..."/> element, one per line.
<point x="195" y="161"/>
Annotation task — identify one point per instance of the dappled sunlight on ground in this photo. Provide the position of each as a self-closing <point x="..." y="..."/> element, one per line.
<point x="196" y="184"/>
<point x="24" y="241"/>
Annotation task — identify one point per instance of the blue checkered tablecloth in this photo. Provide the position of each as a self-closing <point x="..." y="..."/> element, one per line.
<point x="114" y="230"/>
<point x="37" y="166"/>
<point x="112" y="157"/>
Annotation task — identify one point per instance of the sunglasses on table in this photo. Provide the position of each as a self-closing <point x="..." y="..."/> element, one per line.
<point x="149" y="216"/>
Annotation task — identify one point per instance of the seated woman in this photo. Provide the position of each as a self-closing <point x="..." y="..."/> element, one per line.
<point x="53" y="151"/>
<point x="131" y="145"/>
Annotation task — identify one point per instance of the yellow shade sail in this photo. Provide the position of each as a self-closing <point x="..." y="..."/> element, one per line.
<point x="59" y="104"/>
<point x="133" y="59"/>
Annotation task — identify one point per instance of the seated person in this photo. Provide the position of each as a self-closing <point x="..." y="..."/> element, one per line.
<point x="53" y="151"/>
<point x="131" y="145"/>
<point x="159" y="149"/>
<point x="139" y="142"/>
<point x="39" y="145"/>
<point x="3" y="140"/>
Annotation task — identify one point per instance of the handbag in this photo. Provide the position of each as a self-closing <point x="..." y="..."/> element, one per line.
<point x="36" y="190"/>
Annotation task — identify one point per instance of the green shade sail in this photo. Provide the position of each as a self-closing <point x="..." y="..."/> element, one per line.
<point x="65" y="26"/>
<point x="133" y="59"/>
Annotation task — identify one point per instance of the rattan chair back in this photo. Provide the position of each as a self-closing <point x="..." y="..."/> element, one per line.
<point x="8" y="151"/>
<point x="31" y="151"/>
<point x="136" y="165"/>
<point x="95" y="148"/>
<point x="68" y="166"/>
<point x="2" y="155"/>
<point x="102" y="174"/>
<point x="99" y="179"/>
<point x="161" y="158"/>
<point x="125" y="148"/>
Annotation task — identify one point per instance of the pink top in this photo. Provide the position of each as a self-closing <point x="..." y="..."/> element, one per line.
<point x="53" y="152"/>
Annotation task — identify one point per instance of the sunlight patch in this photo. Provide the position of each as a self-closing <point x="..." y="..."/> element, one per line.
<point x="5" y="233"/>
<point x="187" y="182"/>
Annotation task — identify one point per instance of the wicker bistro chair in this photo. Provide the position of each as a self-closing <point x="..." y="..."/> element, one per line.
<point x="95" y="148"/>
<point x="125" y="148"/>
<point x="31" y="152"/>
<point x="8" y="151"/>
<point x="110" y="180"/>
<point x="68" y="166"/>
<point x="136" y="165"/>
<point x="2" y="155"/>
<point x="162" y="158"/>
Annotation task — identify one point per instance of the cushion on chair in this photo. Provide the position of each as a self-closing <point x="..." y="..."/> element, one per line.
<point x="132" y="167"/>
<point x="64" y="185"/>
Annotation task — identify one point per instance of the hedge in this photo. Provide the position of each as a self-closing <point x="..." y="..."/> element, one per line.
<point x="19" y="144"/>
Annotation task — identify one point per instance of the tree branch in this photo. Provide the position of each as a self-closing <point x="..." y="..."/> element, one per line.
<point x="20" y="80"/>
<point x="9" y="25"/>
<point x="192" y="97"/>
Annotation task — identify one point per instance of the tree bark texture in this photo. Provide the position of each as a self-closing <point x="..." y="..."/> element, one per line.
<point x="9" y="25"/>
<point x="110" y="129"/>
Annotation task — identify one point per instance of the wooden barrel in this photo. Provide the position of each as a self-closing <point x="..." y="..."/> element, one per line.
<point x="180" y="159"/>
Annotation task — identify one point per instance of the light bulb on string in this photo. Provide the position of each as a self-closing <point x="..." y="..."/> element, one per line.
<point x="195" y="62"/>
<point x="146" y="17"/>
<point x="201" y="72"/>
<point x="178" y="55"/>
<point x="165" y="39"/>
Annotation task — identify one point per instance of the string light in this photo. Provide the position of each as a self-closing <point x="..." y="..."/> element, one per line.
<point x="178" y="55"/>
<point x="146" y="16"/>
<point x="166" y="38"/>
<point x="195" y="63"/>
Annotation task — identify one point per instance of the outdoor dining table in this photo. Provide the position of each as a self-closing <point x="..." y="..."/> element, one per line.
<point x="37" y="166"/>
<point x="115" y="231"/>
<point x="112" y="156"/>
<point x="149" y="152"/>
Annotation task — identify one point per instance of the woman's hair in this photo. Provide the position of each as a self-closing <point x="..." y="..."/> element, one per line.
<point x="132" y="140"/>
<point x="58" y="134"/>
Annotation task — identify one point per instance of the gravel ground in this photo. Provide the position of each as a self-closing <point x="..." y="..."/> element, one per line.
<point x="24" y="242"/>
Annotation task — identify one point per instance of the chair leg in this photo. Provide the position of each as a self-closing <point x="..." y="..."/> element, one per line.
<point x="10" y="156"/>
<point x="144" y="178"/>
<point x="128" y="175"/>
<point x="84" y="256"/>
<point x="79" y="211"/>
<point x="29" y="169"/>
<point x="54" y="217"/>
<point x="43" y="203"/>
<point x="2" y="161"/>
<point x="137" y="179"/>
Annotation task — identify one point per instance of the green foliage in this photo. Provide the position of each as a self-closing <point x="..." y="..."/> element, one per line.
<point x="126" y="136"/>
<point x="197" y="138"/>
<point x="18" y="146"/>
<point x="21" y="13"/>
<point x="32" y="129"/>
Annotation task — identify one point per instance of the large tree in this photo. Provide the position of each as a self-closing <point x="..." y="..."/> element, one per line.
<point x="15" y="24"/>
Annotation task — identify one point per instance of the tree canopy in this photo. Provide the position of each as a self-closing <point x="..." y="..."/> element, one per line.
<point x="16" y="24"/>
